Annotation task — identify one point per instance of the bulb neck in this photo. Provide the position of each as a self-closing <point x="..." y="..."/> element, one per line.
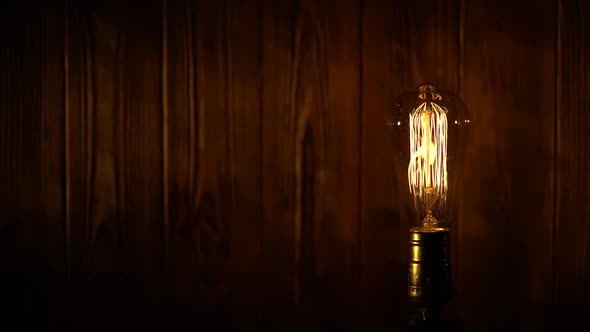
<point x="430" y="221"/>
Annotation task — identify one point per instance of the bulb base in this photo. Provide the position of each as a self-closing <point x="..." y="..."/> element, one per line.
<point x="429" y="271"/>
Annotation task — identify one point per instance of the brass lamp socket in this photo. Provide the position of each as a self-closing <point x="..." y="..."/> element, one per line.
<point x="429" y="276"/>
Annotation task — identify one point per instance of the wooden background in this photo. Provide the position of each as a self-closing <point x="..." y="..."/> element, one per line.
<point x="172" y="165"/>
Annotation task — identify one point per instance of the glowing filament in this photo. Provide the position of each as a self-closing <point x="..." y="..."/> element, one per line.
<point x="427" y="172"/>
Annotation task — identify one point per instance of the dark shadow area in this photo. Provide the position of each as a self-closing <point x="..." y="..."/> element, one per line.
<point x="24" y="275"/>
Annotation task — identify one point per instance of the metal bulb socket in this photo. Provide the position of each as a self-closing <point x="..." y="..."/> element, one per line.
<point x="429" y="277"/>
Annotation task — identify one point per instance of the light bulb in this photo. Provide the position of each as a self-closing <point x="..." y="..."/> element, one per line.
<point x="430" y="132"/>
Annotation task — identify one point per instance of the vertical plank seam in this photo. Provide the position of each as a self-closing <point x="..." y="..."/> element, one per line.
<point x="230" y="133"/>
<point x="556" y="131"/>
<point x="360" y="166"/>
<point x="297" y="182"/>
<point x="88" y="132"/>
<point x="581" y="102"/>
<point x="198" y="79"/>
<point x="196" y="143"/>
<point x="198" y="71"/>
<point x="121" y="139"/>
<point x="260" y="36"/>
<point x="123" y="130"/>
<point x="165" y="202"/>
<point x="260" y="203"/>
<point x="229" y="107"/>
<point x="67" y="133"/>
<point x="192" y="92"/>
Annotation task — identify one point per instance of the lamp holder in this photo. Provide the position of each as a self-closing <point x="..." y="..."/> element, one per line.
<point x="429" y="272"/>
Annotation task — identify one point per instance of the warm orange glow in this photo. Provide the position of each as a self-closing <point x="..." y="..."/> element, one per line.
<point x="427" y="171"/>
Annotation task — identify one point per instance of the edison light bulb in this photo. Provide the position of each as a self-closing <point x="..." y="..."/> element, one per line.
<point x="430" y="129"/>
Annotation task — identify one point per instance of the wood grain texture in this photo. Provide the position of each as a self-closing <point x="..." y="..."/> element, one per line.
<point x="215" y="163"/>
<point x="33" y="268"/>
<point x="279" y="79"/>
<point x="182" y="149"/>
<point x="115" y="156"/>
<point x="508" y="83"/>
<point x="326" y="115"/>
<point x="572" y="232"/>
<point x="404" y="44"/>
<point x="199" y="255"/>
<point x="244" y="55"/>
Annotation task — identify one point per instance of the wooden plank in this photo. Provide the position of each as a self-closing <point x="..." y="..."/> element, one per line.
<point x="508" y="83"/>
<point x="245" y="162"/>
<point x="404" y="44"/>
<point x="199" y="255"/>
<point x="31" y="168"/>
<point x="572" y="232"/>
<point x="215" y="141"/>
<point x="51" y="148"/>
<point x="278" y="162"/>
<point x="326" y="105"/>
<point x="115" y="163"/>
<point x="181" y="295"/>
